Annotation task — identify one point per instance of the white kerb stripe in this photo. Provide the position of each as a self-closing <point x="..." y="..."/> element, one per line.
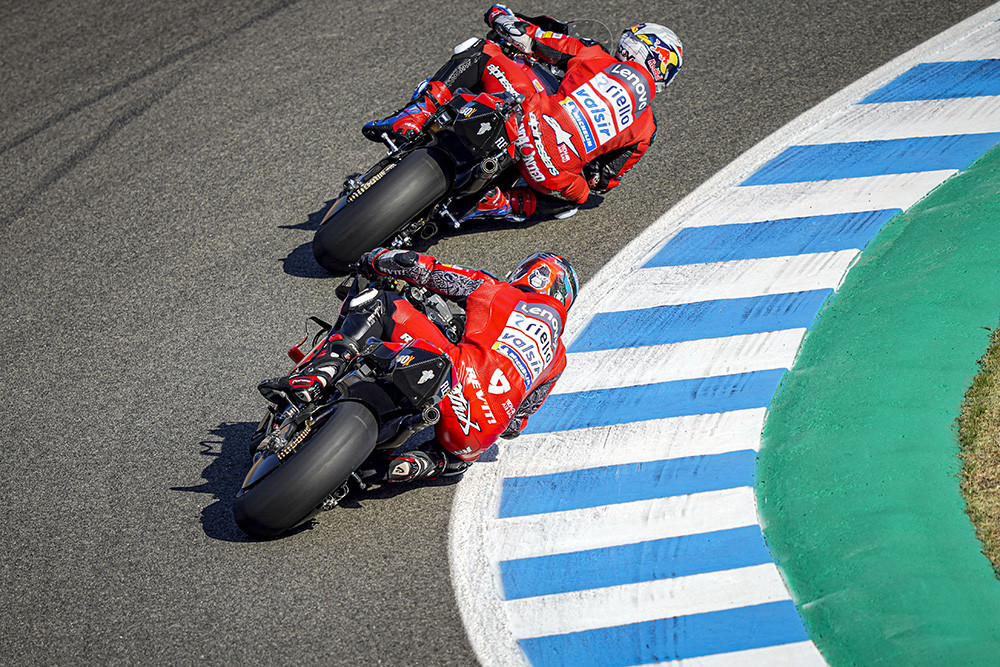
<point x="648" y="601"/>
<point x="674" y="285"/>
<point x="637" y="442"/>
<point x="707" y="357"/>
<point x="798" y="654"/>
<point x="757" y="203"/>
<point x="981" y="44"/>
<point x="622" y="523"/>
<point x="903" y="120"/>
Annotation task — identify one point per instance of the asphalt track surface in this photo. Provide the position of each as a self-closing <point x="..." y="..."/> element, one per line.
<point x="163" y="166"/>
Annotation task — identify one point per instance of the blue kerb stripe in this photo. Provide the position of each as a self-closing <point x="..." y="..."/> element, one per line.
<point x="675" y="638"/>
<point x="609" y="485"/>
<point x="621" y="405"/>
<point x="773" y="238"/>
<point x="633" y="563"/>
<point x="941" y="81"/>
<point x="798" y="164"/>
<point x="703" y="319"/>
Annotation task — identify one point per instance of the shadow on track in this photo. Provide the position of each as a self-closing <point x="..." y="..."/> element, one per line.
<point x="301" y="264"/>
<point x="227" y="449"/>
<point x="228" y="463"/>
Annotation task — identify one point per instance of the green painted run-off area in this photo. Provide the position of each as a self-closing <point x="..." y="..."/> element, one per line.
<point x="857" y="480"/>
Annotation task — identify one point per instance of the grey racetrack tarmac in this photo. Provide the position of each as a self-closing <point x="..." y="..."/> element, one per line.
<point x="163" y="165"/>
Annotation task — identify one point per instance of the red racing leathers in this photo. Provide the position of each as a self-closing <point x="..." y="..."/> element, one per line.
<point x="598" y="123"/>
<point x="507" y="360"/>
<point x="600" y="114"/>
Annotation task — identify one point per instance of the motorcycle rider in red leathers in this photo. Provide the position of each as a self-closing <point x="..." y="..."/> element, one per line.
<point x="584" y="137"/>
<point x="505" y="364"/>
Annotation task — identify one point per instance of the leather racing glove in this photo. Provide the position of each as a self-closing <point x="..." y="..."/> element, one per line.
<point x="512" y="29"/>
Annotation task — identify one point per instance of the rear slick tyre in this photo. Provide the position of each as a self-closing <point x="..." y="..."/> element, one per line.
<point x="399" y="196"/>
<point x="294" y="490"/>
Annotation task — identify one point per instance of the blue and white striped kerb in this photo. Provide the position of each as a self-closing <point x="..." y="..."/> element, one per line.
<point x="621" y="528"/>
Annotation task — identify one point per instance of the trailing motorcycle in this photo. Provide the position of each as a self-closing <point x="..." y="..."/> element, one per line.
<point x="437" y="177"/>
<point x="308" y="456"/>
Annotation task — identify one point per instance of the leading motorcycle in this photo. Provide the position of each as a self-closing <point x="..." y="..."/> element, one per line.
<point x="436" y="178"/>
<point x="307" y="457"/>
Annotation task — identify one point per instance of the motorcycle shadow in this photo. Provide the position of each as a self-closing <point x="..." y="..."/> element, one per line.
<point x="228" y="455"/>
<point x="381" y="489"/>
<point x="484" y="225"/>
<point x="300" y="262"/>
<point x="229" y="458"/>
<point x="387" y="490"/>
<point x="391" y="490"/>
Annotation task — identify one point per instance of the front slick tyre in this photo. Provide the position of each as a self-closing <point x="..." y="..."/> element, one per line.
<point x="399" y="196"/>
<point x="292" y="493"/>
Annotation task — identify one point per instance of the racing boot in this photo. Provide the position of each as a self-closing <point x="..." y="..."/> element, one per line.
<point x="495" y="205"/>
<point x="418" y="464"/>
<point x="520" y="204"/>
<point x="306" y="384"/>
<point x="320" y="371"/>
<point x="530" y="204"/>
<point x="407" y="122"/>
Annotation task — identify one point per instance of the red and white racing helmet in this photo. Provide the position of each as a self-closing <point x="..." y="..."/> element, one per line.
<point x="654" y="47"/>
<point x="546" y="273"/>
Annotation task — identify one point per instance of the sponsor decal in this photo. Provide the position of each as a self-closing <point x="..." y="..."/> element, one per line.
<point x="619" y="97"/>
<point x="563" y="154"/>
<point x="651" y="66"/>
<point x="528" y="339"/>
<point x="466" y="450"/>
<point x="453" y="77"/>
<point x="541" y="311"/>
<point x="501" y="78"/>
<point x="576" y="115"/>
<point x="540" y="278"/>
<point x="445" y="388"/>
<point x="536" y="134"/>
<point x="532" y="166"/>
<point x="406" y="338"/>
<point x="460" y="406"/>
<point x="509" y="408"/>
<point x="425" y="376"/>
<point x="527" y="153"/>
<point x="473" y="380"/>
<point x="634" y="81"/>
<point x="404" y="360"/>
<point x="526" y="349"/>
<point x="400" y="470"/>
<point x="597" y="112"/>
<point x="499" y="383"/>
<point x="519" y="364"/>
<point x="484" y="128"/>
<point x="564" y="140"/>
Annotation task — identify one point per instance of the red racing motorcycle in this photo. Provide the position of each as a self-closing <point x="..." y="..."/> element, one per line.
<point x="306" y="457"/>
<point x="436" y="178"/>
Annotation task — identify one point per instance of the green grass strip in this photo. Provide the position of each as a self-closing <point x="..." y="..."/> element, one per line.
<point x="979" y="442"/>
<point x="857" y="476"/>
